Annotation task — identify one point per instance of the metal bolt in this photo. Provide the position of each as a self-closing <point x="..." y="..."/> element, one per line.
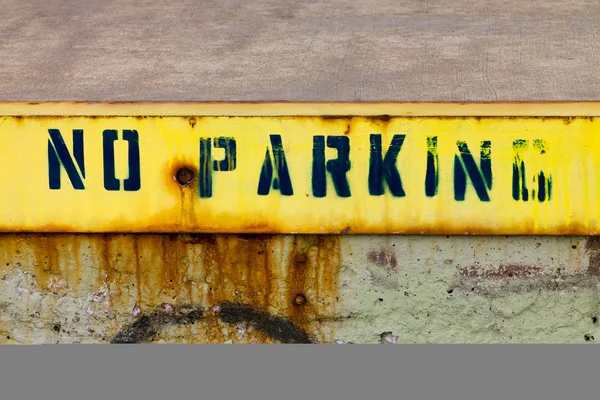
<point x="184" y="176"/>
<point x="300" y="299"/>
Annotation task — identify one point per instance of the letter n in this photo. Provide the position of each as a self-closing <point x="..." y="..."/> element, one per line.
<point x="58" y="154"/>
<point x="481" y="176"/>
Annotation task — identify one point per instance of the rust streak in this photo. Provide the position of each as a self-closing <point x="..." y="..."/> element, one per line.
<point x="117" y="274"/>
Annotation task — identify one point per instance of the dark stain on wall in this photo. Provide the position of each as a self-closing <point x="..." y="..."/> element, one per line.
<point x="384" y="258"/>
<point x="277" y="328"/>
<point x="147" y="326"/>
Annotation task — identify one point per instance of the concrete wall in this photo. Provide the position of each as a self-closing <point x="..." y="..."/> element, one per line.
<point x="294" y="289"/>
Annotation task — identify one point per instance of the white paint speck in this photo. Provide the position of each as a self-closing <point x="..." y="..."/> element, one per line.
<point x="241" y="332"/>
<point x="136" y="310"/>
<point x="388" y="337"/>
<point x="169" y="309"/>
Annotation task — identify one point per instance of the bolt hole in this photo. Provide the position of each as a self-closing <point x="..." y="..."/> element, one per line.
<point x="450" y="291"/>
<point x="300" y="258"/>
<point x="184" y="176"/>
<point x="300" y="299"/>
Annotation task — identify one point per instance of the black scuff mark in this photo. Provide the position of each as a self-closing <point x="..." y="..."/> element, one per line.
<point x="145" y="328"/>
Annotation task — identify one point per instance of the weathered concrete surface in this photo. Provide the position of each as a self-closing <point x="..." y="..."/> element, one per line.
<point x="472" y="289"/>
<point x="295" y="289"/>
<point x="316" y="50"/>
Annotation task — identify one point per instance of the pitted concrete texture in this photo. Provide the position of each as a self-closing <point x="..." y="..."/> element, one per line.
<point x="315" y="50"/>
<point x="298" y="289"/>
<point x="472" y="289"/>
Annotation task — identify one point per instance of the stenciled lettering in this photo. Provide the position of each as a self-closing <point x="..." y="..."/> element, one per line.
<point x="133" y="181"/>
<point x="432" y="172"/>
<point x="384" y="175"/>
<point x="275" y="164"/>
<point x="385" y="168"/>
<point x="480" y="176"/>
<point x="208" y="165"/>
<point x="337" y="167"/>
<point x="58" y="154"/>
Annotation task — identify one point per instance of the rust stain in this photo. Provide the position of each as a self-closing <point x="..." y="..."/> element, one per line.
<point x="181" y="179"/>
<point x="313" y="278"/>
<point x="172" y="170"/>
<point x="383" y="118"/>
<point x="106" y="278"/>
<point x="138" y="271"/>
<point x="184" y="176"/>
<point x="45" y="256"/>
<point x="112" y="275"/>
<point x="298" y="270"/>
<point x="181" y="219"/>
<point x="44" y="262"/>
